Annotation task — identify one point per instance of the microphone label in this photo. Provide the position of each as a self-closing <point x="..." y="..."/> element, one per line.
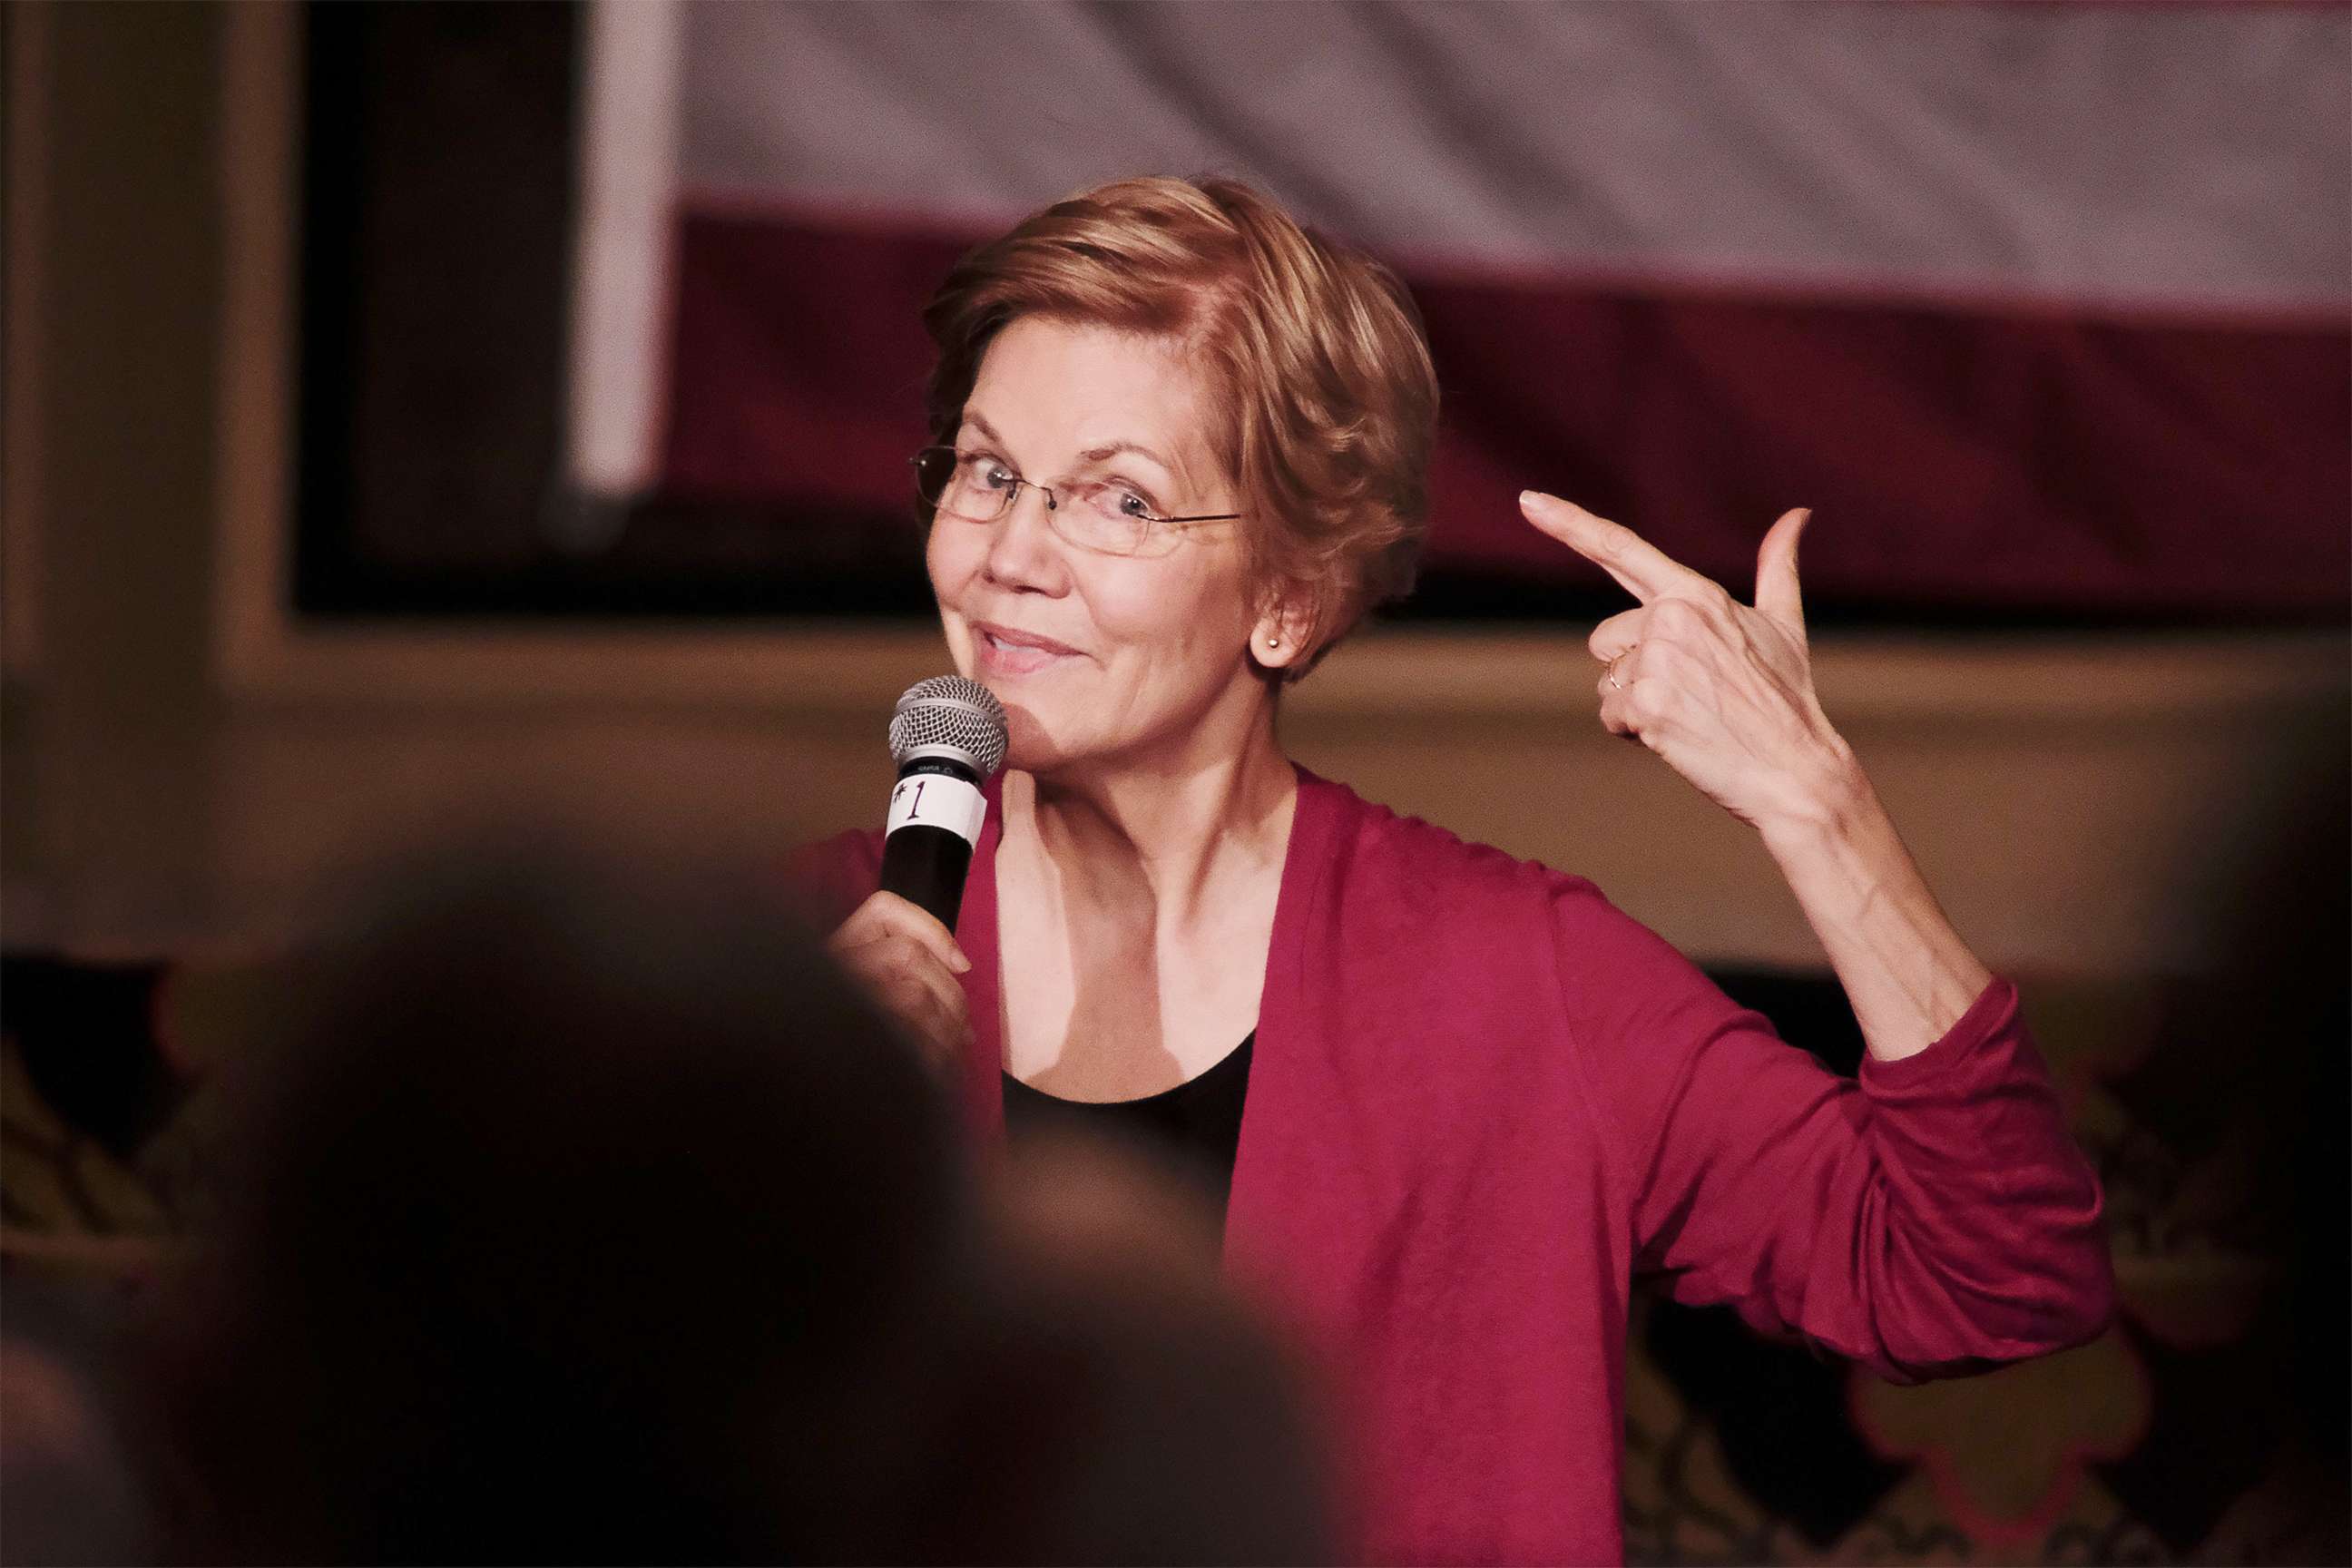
<point x="938" y="800"/>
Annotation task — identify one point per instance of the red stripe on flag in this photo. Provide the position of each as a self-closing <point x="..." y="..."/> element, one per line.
<point x="2017" y="461"/>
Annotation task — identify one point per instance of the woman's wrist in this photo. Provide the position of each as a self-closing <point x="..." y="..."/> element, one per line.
<point x="1828" y="802"/>
<point x="1906" y="971"/>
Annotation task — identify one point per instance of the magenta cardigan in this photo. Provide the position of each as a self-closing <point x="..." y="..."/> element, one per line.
<point x="1483" y="1099"/>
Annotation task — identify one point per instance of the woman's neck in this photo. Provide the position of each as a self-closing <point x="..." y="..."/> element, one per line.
<point x="1179" y="827"/>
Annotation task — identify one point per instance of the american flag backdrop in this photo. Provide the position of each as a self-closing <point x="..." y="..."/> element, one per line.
<point x="2042" y="308"/>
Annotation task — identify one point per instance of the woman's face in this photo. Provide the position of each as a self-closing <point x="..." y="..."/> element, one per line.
<point x="1099" y="658"/>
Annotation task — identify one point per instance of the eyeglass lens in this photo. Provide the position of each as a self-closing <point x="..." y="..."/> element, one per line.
<point x="980" y="490"/>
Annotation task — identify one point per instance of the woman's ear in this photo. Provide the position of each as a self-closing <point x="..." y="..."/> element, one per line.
<point x="1285" y="633"/>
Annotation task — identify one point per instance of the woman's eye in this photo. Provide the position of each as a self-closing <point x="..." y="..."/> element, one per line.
<point x="1134" y="506"/>
<point x="990" y="473"/>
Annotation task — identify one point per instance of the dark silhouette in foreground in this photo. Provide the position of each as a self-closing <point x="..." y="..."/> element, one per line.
<point x="584" y="1213"/>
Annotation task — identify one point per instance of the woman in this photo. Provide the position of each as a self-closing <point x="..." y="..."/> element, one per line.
<point x="1180" y="448"/>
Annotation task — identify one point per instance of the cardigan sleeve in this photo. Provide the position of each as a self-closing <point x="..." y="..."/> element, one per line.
<point x="1933" y="1216"/>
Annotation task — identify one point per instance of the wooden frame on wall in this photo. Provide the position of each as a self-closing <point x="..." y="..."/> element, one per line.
<point x="265" y="648"/>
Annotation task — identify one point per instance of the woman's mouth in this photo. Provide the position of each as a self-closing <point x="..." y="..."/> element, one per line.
<point x="1003" y="652"/>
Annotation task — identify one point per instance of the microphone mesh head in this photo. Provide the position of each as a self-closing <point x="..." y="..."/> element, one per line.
<point x="948" y="713"/>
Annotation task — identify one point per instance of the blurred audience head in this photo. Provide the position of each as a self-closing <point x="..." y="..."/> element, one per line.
<point x="1314" y="350"/>
<point x="580" y="1210"/>
<point x="70" y="1481"/>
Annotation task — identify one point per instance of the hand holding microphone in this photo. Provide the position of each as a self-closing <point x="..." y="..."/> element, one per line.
<point x="948" y="737"/>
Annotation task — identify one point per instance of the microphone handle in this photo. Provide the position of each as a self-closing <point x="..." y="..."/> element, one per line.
<point x="936" y="812"/>
<point x="926" y="866"/>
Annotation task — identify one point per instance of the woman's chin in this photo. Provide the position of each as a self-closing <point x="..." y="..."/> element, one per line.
<point x="1029" y="747"/>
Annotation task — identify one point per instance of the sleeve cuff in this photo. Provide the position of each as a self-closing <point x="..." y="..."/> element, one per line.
<point x="1993" y="1012"/>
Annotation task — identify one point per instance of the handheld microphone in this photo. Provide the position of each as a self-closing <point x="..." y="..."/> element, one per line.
<point x="947" y="736"/>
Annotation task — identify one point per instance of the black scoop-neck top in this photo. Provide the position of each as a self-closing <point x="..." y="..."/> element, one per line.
<point x="1195" y="1127"/>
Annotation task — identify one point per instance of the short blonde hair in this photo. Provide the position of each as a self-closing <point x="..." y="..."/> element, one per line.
<point x="1315" y="354"/>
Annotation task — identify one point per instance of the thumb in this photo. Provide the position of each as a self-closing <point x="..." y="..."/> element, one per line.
<point x="1777" y="593"/>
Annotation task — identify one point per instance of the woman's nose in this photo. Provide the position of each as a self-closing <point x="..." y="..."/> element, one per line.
<point x="1023" y="552"/>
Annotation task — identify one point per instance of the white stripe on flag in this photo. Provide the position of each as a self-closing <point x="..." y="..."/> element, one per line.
<point x="2133" y="155"/>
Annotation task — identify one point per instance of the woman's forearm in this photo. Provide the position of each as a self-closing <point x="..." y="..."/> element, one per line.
<point x="1906" y="971"/>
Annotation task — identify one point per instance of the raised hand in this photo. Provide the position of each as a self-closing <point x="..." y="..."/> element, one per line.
<point x="1722" y="690"/>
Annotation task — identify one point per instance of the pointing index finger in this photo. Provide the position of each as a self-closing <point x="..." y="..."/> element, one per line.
<point x="1641" y="568"/>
